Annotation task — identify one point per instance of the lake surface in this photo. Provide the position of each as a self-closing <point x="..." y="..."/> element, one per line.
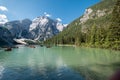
<point x="58" y="63"/>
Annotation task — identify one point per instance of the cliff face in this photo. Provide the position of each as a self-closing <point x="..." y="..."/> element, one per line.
<point x="5" y="37"/>
<point x="91" y="29"/>
<point x="41" y="28"/>
<point x="93" y="14"/>
<point x="99" y="14"/>
<point x="19" y="29"/>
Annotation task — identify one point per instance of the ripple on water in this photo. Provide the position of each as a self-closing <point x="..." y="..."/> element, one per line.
<point x="1" y="71"/>
<point x="33" y="74"/>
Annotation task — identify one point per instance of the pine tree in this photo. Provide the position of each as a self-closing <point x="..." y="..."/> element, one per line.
<point x="114" y="28"/>
<point x="97" y="39"/>
<point x="78" y="37"/>
<point x="93" y="34"/>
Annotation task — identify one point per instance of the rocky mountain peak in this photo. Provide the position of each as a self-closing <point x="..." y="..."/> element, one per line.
<point x="92" y="14"/>
<point x="43" y="27"/>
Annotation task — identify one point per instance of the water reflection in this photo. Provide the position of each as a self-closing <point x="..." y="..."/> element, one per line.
<point x="35" y="74"/>
<point x="94" y="64"/>
<point x="58" y="63"/>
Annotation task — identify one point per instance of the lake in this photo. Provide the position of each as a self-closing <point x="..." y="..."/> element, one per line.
<point x="58" y="63"/>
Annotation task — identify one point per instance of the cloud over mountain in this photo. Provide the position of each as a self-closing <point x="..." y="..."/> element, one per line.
<point x="46" y="14"/>
<point x="3" y="17"/>
<point x="58" y="19"/>
<point x="3" y="8"/>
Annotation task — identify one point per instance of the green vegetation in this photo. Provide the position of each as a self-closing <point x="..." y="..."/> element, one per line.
<point x="103" y="4"/>
<point x="103" y="32"/>
<point x="114" y="28"/>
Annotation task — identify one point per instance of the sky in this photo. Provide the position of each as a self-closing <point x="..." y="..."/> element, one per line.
<point x="63" y="10"/>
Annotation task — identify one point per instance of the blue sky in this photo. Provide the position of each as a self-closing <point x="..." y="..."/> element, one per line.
<point x="67" y="10"/>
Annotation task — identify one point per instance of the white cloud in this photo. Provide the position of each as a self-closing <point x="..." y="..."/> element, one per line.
<point x="58" y="19"/>
<point x="46" y="14"/>
<point x="3" y="8"/>
<point x="60" y="26"/>
<point x="65" y="25"/>
<point x="3" y="19"/>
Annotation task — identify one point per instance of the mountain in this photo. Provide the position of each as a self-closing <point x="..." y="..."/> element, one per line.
<point x="5" y="37"/>
<point x="44" y="27"/>
<point x="40" y="28"/>
<point x="19" y="28"/>
<point x="92" y="28"/>
<point x="23" y="31"/>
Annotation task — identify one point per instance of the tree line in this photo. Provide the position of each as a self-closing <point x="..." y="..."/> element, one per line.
<point x="103" y="32"/>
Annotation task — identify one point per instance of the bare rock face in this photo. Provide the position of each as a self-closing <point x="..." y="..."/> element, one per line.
<point x="5" y="36"/>
<point x="44" y="27"/>
<point x="92" y="14"/>
<point x="41" y="28"/>
<point x="19" y="29"/>
<point x="86" y="15"/>
<point x="100" y="13"/>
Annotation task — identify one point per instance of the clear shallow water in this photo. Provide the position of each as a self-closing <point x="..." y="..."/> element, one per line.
<point x="58" y="63"/>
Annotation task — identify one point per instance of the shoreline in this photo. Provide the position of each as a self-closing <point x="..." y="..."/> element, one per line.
<point x="87" y="47"/>
<point x="66" y="45"/>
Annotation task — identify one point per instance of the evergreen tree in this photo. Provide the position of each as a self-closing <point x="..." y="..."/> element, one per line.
<point x="78" y="37"/>
<point x="97" y="39"/>
<point x="114" y="35"/>
<point x="93" y="34"/>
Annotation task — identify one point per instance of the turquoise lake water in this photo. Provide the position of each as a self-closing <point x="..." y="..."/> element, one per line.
<point x="58" y="63"/>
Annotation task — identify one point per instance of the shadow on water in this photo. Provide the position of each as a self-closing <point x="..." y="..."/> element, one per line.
<point x="94" y="64"/>
<point x="98" y="71"/>
<point x="90" y="74"/>
<point x="116" y="66"/>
